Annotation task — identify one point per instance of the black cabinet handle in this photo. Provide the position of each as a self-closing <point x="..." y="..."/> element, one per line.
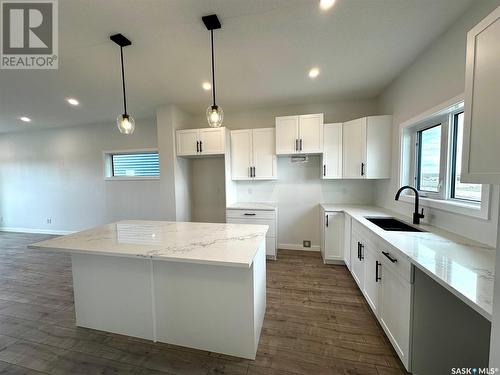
<point x="197" y="146"/>
<point x="296" y="145"/>
<point x="201" y="146"/>
<point x="388" y="256"/>
<point x="361" y="251"/>
<point x="248" y="214"/>
<point x="327" y="220"/>
<point x="324" y="169"/>
<point x="377" y="277"/>
<point x="249" y="171"/>
<point x="253" y="171"/>
<point x="362" y="169"/>
<point x="300" y="142"/>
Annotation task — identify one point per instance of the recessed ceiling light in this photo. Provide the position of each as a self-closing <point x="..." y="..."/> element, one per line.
<point x="326" y="4"/>
<point x="73" y="101"/>
<point x="25" y="119"/>
<point x="207" y="86"/>
<point x="313" y="73"/>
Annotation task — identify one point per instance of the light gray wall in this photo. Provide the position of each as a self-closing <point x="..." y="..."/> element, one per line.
<point x="298" y="190"/>
<point x="436" y="76"/>
<point x="59" y="174"/>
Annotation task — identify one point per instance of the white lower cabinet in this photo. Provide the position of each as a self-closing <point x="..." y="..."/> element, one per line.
<point x="386" y="281"/>
<point x="395" y="305"/>
<point x="259" y="217"/>
<point x="332" y="236"/>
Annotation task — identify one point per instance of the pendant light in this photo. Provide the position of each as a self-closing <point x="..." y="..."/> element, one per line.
<point x="215" y="114"/>
<point x="124" y="122"/>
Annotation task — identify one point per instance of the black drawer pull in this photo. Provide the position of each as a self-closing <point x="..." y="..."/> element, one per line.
<point x="377" y="277"/>
<point x="247" y="214"/>
<point x="388" y="256"/>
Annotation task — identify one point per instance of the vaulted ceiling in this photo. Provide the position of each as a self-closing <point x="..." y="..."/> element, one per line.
<point x="264" y="52"/>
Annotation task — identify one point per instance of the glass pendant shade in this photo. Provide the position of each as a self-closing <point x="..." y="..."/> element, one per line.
<point x="215" y="115"/>
<point x="126" y="124"/>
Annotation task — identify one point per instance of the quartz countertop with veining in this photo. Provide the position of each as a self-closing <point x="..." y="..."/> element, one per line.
<point x="465" y="267"/>
<point x="205" y="243"/>
<point x="257" y="206"/>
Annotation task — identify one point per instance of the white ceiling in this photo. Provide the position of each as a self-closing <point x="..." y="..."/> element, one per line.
<point x="264" y="52"/>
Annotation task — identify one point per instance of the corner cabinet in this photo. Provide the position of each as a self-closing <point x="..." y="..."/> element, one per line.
<point x="482" y="90"/>
<point x="253" y="155"/>
<point x="200" y="142"/>
<point x="332" y="151"/>
<point x="299" y="134"/>
<point x="332" y="236"/>
<point x="366" y="148"/>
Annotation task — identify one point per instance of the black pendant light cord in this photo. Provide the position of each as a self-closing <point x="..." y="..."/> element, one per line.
<point x="123" y="82"/>
<point x="213" y="65"/>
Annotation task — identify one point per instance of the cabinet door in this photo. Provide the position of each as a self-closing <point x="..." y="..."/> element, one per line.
<point x="332" y="151"/>
<point x="482" y="90"/>
<point x="212" y="141"/>
<point x="347" y="240"/>
<point x="354" y="148"/>
<point x="264" y="154"/>
<point x="334" y="236"/>
<point x="241" y="154"/>
<point x="187" y="142"/>
<point x="357" y="263"/>
<point x="287" y="135"/>
<point x="395" y="311"/>
<point x="311" y="133"/>
<point x="371" y="279"/>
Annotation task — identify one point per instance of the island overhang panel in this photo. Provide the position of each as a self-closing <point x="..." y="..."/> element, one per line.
<point x="198" y="285"/>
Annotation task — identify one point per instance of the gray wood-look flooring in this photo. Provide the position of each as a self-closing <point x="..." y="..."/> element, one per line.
<point x="317" y="322"/>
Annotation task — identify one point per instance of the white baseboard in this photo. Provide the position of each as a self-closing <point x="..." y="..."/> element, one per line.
<point x="289" y="246"/>
<point x="36" y="231"/>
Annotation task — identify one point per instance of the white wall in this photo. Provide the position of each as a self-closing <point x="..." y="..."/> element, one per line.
<point x="298" y="190"/>
<point x="436" y="76"/>
<point x="58" y="174"/>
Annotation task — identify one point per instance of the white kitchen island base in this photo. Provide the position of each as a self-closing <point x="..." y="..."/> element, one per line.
<point x="216" y="305"/>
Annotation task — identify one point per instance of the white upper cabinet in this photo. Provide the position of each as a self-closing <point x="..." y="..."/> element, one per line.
<point x="332" y="151"/>
<point x="366" y="147"/>
<point x="482" y="90"/>
<point x="299" y="134"/>
<point x="253" y="154"/>
<point x="199" y="142"/>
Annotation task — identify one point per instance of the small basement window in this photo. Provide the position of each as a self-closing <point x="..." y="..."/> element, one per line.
<point x="132" y="164"/>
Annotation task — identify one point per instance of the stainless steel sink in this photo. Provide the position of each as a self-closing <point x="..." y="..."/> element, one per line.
<point x="392" y="224"/>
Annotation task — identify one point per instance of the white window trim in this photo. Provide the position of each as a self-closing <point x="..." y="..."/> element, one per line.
<point x="406" y="166"/>
<point x="107" y="166"/>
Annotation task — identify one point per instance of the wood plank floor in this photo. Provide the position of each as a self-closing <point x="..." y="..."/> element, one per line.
<point x="317" y="322"/>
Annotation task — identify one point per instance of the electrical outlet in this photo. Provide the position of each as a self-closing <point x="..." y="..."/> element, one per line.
<point x="49" y="220"/>
<point x="306" y="243"/>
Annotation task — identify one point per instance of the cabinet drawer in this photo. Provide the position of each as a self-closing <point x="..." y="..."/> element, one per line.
<point x="251" y="214"/>
<point x="251" y="220"/>
<point x="393" y="259"/>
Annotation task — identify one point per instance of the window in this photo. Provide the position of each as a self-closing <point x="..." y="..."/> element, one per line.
<point x="140" y="164"/>
<point x="460" y="190"/>
<point x="429" y="159"/>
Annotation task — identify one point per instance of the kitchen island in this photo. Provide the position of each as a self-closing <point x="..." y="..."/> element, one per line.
<point x="198" y="285"/>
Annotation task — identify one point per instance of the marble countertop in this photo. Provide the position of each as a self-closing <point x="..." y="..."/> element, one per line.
<point x="256" y="206"/>
<point x="205" y="243"/>
<point x="464" y="267"/>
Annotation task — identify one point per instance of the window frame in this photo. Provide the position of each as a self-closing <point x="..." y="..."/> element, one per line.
<point x="408" y="156"/>
<point x="108" y="171"/>
<point x="453" y="152"/>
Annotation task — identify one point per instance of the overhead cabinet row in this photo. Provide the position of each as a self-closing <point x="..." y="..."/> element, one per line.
<point x="358" y="149"/>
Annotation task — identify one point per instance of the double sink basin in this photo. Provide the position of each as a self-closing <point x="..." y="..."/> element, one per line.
<point x="392" y="224"/>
